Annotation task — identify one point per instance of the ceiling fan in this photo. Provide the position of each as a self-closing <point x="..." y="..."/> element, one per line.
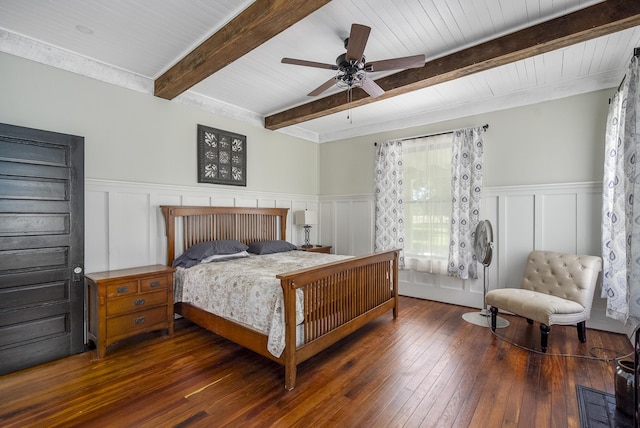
<point x="352" y="66"/>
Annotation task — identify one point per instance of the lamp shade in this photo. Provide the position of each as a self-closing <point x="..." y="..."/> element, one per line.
<point x="306" y="217"/>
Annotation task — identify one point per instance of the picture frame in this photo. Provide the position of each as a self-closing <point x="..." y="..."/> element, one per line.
<point x="222" y="157"/>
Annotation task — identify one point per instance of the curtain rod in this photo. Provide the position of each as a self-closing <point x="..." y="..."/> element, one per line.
<point x="485" y="127"/>
<point x="636" y="52"/>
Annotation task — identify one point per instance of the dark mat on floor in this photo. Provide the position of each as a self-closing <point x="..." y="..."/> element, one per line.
<point x="598" y="410"/>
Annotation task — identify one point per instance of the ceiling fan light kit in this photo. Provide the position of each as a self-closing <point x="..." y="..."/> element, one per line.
<point x="353" y="67"/>
<point x="350" y="81"/>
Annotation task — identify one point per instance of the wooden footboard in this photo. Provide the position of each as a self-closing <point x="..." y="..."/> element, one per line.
<point x="339" y="298"/>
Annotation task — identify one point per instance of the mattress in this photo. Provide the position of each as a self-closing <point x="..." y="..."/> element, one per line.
<point x="246" y="290"/>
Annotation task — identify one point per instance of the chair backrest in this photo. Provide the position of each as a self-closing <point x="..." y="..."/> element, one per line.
<point x="569" y="276"/>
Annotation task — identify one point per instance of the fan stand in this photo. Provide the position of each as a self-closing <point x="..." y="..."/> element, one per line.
<point x="482" y="318"/>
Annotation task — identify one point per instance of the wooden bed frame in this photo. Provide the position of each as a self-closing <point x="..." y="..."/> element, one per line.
<point x="339" y="297"/>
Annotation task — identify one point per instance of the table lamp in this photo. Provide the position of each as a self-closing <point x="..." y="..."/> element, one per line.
<point x="306" y="218"/>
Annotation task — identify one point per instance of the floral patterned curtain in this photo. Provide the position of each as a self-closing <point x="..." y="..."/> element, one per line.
<point x="620" y="216"/>
<point x="388" y="198"/>
<point x="466" y="187"/>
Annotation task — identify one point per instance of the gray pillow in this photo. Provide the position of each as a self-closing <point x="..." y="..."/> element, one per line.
<point x="196" y="253"/>
<point x="270" y="247"/>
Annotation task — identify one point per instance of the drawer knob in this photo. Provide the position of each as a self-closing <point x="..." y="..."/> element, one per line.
<point x="154" y="284"/>
<point x="138" y="320"/>
<point x="122" y="289"/>
<point x="138" y="302"/>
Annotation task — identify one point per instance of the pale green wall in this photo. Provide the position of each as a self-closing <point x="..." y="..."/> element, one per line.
<point x="558" y="141"/>
<point x="131" y="136"/>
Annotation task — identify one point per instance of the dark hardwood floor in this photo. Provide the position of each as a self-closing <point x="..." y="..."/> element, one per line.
<point x="427" y="368"/>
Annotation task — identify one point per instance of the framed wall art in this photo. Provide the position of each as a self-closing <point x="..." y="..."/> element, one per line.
<point x="222" y="157"/>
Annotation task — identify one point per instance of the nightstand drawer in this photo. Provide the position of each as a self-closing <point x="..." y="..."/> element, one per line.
<point x="151" y="284"/>
<point x="136" y="321"/>
<point x="122" y="289"/>
<point x="136" y="302"/>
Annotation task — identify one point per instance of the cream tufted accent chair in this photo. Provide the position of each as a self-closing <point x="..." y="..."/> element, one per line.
<point x="556" y="288"/>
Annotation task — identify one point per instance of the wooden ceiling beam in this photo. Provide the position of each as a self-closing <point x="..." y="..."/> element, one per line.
<point x="258" y="23"/>
<point x="598" y="20"/>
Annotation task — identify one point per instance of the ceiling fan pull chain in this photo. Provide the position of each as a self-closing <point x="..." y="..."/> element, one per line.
<point x="349" y="99"/>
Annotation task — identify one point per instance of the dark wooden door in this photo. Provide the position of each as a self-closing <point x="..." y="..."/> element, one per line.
<point x="41" y="246"/>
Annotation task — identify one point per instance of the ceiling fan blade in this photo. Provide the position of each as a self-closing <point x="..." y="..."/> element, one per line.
<point x="309" y="63"/>
<point x="372" y="88"/>
<point x="357" y="42"/>
<point x="320" y="89"/>
<point x="415" y="61"/>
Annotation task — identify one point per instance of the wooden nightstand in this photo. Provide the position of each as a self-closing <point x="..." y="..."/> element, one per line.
<point x="126" y="302"/>
<point x="317" y="249"/>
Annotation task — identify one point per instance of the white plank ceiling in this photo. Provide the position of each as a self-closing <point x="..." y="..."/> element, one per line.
<point x="132" y="42"/>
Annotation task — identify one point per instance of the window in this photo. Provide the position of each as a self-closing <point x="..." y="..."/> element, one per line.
<point x="428" y="194"/>
<point x="427" y="202"/>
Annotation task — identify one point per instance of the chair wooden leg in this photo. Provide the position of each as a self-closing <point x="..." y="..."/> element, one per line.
<point x="544" y="336"/>
<point x="494" y="318"/>
<point x="582" y="331"/>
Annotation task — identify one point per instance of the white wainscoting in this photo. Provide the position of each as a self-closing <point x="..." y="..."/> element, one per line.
<point x="560" y="217"/>
<point x="124" y="226"/>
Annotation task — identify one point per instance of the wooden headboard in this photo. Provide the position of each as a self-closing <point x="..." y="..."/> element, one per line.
<point x="200" y="224"/>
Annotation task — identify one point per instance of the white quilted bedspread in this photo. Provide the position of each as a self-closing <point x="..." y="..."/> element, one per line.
<point x="247" y="291"/>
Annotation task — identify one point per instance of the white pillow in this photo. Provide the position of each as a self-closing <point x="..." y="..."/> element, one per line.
<point x="222" y="257"/>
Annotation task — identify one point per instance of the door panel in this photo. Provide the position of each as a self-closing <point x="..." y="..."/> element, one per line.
<point x="16" y="150"/>
<point x="41" y="243"/>
<point x="33" y="294"/>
